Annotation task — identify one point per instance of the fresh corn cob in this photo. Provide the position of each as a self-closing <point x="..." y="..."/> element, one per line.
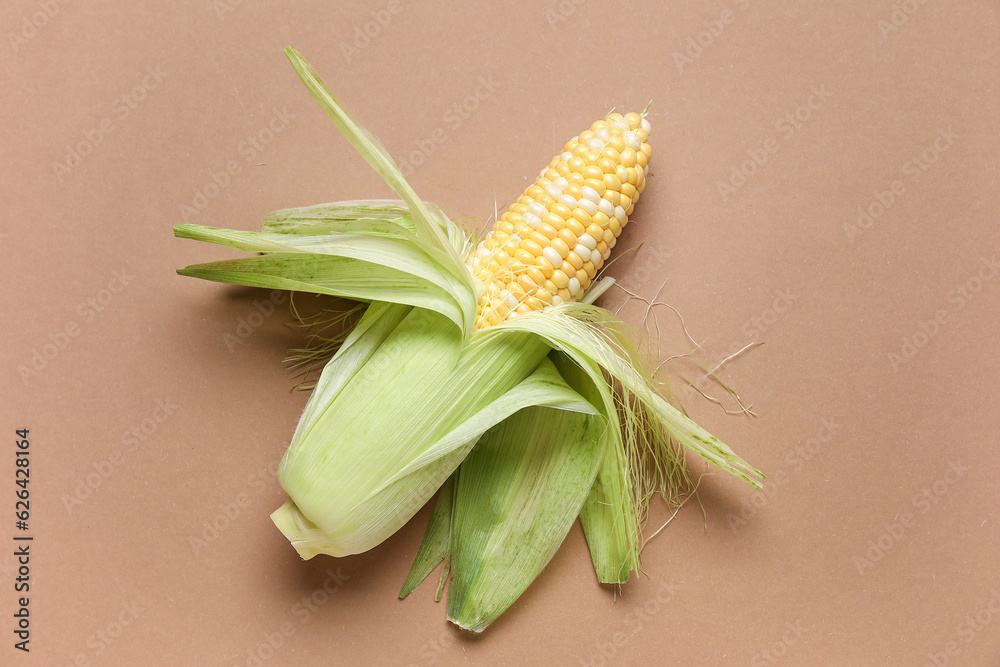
<point x="547" y="247"/>
<point x="523" y="423"/>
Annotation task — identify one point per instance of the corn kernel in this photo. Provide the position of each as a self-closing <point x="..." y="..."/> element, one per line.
<point x="568" y="237"/>
<point x="576" y="225"/>
<point x="545" y="266"/>
<point x="560" y="247"/>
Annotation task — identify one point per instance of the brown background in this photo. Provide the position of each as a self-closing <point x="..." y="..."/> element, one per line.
<point x="898" y="465"/>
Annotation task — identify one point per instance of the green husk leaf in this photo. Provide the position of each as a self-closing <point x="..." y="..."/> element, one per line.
<point x="610" y="515"/>
<point x="428" y="223"/>
<point x="376" y="324"/>
<point x="337" y="276"/>
<point x="323" y="218"/>
<point x="434" y="548"/>
<point x="518" y="493"/>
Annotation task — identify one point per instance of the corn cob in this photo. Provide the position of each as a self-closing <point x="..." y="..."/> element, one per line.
<point x="520" y="442"/>
<point x="548" y="246"/>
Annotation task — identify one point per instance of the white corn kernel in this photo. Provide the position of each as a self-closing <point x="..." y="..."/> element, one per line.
<point x="587" y="205"/>
<point x="552" y="255"/>
<point x="588" y="241"/>
<point x="590" y="194"/>
<point x="535" y="208"/>
<point x="621" y="215"/>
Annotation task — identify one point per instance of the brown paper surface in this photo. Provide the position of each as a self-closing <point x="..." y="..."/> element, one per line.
<point x="824" y="182"/>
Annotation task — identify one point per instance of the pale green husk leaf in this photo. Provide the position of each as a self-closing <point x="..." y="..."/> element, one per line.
<point x="611" y="515"/>
<point x="518" y="493"/>
<point x="427" y="222"/>
<point x="436" y="544"/>
<point x="323" y="218"/>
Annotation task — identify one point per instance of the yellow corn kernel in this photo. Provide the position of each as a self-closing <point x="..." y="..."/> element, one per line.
<point x="560" y="247"/>
<point x="596" y="184"/>
<point x="525" y="282"/>
<point x="568" y="237"/>
<point x="545" y="266"/>
<point x="561" y="211"/>
<point x="524" y="256"/>
<point x="536" y="276"/>
<point x="581" y="219"/>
